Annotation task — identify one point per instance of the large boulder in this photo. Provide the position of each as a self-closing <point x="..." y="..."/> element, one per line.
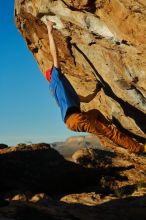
<point x="90" y="157"/>
<point x="97" y="40"/>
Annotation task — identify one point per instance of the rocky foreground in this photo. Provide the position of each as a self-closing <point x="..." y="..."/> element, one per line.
<point x="39" y="183"/>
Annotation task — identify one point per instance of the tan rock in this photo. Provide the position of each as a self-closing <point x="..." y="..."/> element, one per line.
<point x="89" y="199"/>
<point x="104" y="40"/>
<point x="38" y="197"/>
<point x="19" y="197"/>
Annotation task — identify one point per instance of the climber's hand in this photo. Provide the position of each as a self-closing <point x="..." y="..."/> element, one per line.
<point x="50" y="26"/>
<point x="98" y="87"/>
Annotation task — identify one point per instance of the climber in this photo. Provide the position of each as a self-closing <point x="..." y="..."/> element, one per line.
<point x="69" y="102"/>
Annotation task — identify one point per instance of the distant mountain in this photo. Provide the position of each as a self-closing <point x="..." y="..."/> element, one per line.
<point x="72" y="144"/>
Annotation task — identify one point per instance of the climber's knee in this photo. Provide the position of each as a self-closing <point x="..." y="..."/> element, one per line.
<point x="75" y="122"/>
<point x="78" y="122"/>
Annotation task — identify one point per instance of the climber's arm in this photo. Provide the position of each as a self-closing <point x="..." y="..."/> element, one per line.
<point x="87" y="99"/>
<point x="53" y="48"/>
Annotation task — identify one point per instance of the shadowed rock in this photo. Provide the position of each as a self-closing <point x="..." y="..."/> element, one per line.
<point x="123" y="209"/>
<point x="41" y="168"/>
<point x="2" y="146"/>
<point x="40" y="184"/>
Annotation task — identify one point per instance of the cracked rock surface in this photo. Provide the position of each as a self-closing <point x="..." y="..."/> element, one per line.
<point x="97" y="40"/>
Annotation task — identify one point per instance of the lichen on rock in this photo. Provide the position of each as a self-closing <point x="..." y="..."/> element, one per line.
<point x="97" y="40"/>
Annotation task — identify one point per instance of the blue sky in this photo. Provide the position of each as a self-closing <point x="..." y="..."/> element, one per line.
<point x="27" y="110"/>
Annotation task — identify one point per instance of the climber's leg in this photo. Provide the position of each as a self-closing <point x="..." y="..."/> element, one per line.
<point x="95" y="123"/>
<point x="120" y="138"/>
<point x="81" y="122"/>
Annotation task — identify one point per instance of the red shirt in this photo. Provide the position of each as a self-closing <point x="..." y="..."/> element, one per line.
<point x="48" y="74"/>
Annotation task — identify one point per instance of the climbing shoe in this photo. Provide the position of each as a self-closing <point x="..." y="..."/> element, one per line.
<point x="144" y="151"/>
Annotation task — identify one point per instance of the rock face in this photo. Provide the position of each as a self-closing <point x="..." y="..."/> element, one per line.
<point x="97" y="40"/>
<point x="36" y="182"/>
